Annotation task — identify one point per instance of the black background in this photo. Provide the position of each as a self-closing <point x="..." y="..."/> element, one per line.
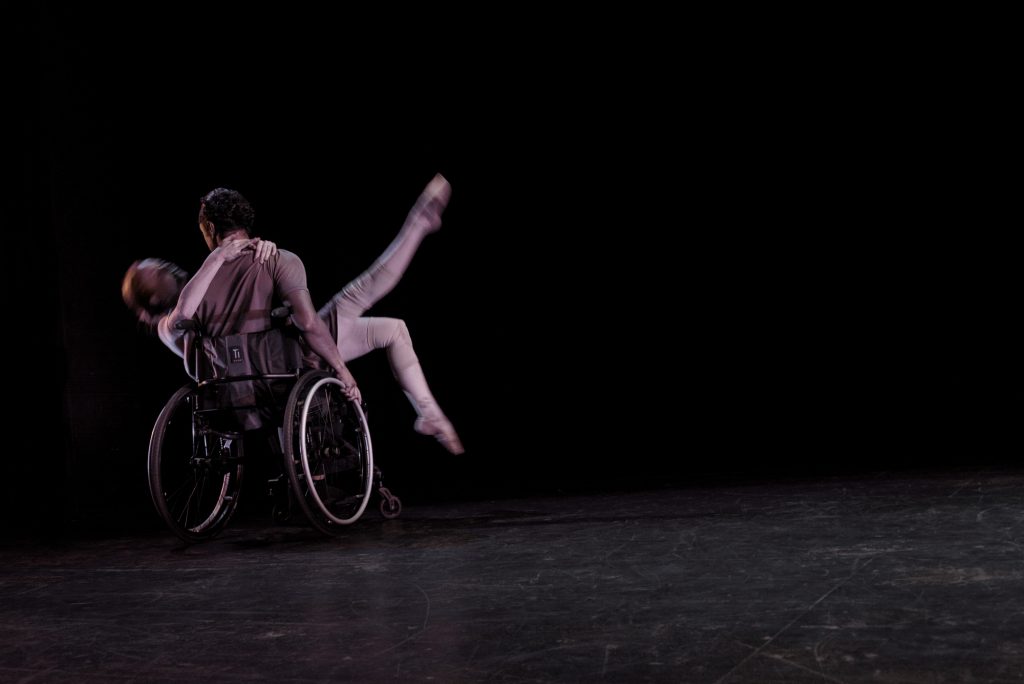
<point x="662" y="261"/>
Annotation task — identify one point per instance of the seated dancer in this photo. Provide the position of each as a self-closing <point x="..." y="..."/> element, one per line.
<point x="157" y="292"/>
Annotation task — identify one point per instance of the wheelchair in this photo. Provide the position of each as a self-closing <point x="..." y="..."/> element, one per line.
<point x="255" y="384"/>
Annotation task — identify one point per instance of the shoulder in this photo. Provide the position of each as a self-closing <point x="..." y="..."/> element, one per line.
<point x="289" y="272"/>
<point x="284" y="253"/>
<point x="286" y="258"/>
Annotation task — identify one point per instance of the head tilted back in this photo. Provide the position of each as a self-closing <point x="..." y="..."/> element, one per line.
<point x="150" y="288"/>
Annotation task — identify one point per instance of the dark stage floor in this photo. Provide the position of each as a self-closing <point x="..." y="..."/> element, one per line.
<point x="904" y="577"/>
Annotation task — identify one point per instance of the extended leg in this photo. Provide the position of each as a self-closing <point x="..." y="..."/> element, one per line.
<point x="358" y="336"/>
<point x="382" y="276"/>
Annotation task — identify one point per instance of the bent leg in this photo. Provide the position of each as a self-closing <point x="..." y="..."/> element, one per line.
<point x="382" y="276"/>
<point x="357" y="336"/>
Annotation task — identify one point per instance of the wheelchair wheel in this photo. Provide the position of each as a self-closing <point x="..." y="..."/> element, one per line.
<point x="328" y="454"/>
<point x="195" y="473"/>
<point x="391" y="508"/>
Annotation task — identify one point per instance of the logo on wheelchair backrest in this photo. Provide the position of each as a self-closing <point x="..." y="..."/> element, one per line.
<point x="235" y="354"/>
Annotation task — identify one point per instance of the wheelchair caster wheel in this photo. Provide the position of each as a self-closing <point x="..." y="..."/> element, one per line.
<point x="391" y="508"/>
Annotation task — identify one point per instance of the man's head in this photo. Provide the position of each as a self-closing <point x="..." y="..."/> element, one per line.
<point x="150" y="288"/>
<point x="222" y="212"/>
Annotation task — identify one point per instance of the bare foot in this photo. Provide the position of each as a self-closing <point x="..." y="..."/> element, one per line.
<point x="442" y="430"/>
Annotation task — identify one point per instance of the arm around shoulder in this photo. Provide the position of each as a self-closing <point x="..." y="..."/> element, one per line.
<point x="195" y="289"/>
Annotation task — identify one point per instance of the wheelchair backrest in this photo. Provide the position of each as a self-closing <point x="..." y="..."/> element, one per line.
<point x="231" y="371"/>
<point x="272" y="351"/>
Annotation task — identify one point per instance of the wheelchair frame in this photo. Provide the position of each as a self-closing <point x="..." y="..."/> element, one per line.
<point x="197" y="457"/>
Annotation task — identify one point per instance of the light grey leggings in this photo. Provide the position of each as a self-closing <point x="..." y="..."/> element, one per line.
<point x="356" y="334"/>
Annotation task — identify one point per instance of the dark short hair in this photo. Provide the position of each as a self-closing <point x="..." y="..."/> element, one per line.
<point x="227" y="210"/>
